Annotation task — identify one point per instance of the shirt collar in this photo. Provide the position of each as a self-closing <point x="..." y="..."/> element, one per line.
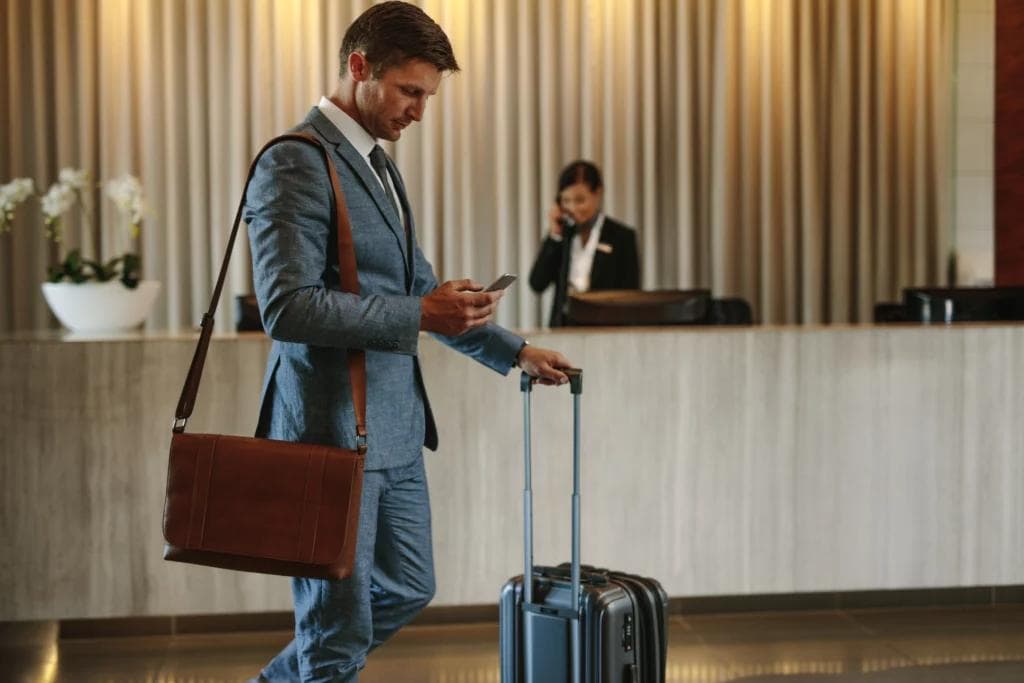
<point x="595" y="233"/>
<point x="355" y="133"/>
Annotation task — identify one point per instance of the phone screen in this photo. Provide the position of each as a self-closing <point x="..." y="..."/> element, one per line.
<point x="501" y="283"/>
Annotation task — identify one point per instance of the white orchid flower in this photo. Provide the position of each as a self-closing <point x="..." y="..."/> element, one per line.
<point x="55" y="203"/>
<point x="126" y="193"/>
<point x="11" y="195"/>
<point x="76" y="178"/>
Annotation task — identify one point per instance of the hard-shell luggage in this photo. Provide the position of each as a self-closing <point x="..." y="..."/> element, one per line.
<point x="575" y="623"/>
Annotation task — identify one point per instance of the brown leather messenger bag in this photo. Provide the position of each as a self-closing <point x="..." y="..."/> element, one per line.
<point x="261" y="505"/>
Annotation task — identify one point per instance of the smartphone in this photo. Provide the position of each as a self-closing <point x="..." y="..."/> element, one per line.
<point x="501" y="283"/>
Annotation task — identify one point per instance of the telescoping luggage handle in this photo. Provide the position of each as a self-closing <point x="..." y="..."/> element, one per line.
<point x="576" y="388"/>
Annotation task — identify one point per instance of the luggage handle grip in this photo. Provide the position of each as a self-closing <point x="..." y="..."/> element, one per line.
<point x="575" y="376"/>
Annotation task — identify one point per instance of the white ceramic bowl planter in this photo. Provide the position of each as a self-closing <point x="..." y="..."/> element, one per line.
<point x="100" y="306"/>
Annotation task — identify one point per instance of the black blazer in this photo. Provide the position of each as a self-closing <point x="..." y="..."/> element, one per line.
<point x="619" y="269"/>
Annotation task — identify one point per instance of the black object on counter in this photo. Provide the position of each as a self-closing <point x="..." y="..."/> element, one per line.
<point x="730" y="311"/>
<point x="247" y="314"/>
<point x="954" y="304"/>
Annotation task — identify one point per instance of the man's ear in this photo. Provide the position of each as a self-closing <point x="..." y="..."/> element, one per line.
<point x="358" y="67"/>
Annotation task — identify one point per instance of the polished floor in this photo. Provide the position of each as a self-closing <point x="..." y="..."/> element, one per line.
<point x="933" y="645"/>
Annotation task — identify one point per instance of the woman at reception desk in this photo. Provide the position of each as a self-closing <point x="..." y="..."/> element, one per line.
<point x="584" y="249"/>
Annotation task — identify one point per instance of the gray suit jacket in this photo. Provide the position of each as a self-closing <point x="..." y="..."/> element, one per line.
<point x="306" y="393"/>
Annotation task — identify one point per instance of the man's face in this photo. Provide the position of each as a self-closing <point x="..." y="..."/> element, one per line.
<point x="390" y="103"/>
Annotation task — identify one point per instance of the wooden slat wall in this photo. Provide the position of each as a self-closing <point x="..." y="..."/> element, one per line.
<point x="1009" y="143"/>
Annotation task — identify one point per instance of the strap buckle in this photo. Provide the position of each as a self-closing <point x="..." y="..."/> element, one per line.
<point x="178" y="426"/>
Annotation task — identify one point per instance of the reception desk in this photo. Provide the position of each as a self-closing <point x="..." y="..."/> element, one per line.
<point x="720" y="460"/>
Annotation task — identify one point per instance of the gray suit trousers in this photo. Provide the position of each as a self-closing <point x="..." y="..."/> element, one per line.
<point x="337" y="623"/>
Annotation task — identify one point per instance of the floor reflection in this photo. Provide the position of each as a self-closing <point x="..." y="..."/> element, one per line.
<point x="968" y="645"/>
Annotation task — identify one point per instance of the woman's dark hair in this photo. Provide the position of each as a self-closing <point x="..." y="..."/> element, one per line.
<point x="580" y="171"/>
<point x="394" y="32"/>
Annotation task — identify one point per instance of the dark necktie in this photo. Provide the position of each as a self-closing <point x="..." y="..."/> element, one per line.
<point x="379" y="161"/>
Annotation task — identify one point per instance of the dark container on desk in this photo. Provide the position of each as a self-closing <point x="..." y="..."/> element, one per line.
<point x="955" y="304"/>
<point x="658" y="307"/>
<point x="247" y="314"/>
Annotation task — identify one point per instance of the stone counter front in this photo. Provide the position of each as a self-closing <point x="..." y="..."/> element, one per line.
<point x="720" y="460"/>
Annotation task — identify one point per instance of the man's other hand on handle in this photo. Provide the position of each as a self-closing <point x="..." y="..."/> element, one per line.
<point x="544" y="364"/>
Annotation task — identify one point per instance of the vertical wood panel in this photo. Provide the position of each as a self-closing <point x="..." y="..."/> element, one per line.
<point x="1009" y="145"/>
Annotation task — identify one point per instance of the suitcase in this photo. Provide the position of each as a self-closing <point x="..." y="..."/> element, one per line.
<point x="576" y="623"/>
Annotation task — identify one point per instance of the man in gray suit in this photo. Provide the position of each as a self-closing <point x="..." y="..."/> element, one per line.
<point x="392" y="60"/>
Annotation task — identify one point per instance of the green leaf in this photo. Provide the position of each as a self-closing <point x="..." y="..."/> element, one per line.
<point x="98" y="271"/>
<point x="76" y="269"/>
<point x="130" y="270"/>
<point x="73" y="261"/>
<point x="71" y="268"/>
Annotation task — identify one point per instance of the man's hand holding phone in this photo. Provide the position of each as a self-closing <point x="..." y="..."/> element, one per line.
<point x="458" y="306"/>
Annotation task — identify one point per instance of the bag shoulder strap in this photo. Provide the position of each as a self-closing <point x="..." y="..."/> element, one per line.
<point x="356" y="358"/>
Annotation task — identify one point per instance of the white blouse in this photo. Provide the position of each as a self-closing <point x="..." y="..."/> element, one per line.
<point x="582" y="258"/>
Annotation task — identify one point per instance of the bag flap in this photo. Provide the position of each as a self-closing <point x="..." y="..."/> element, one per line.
<point x="263" y="498"/>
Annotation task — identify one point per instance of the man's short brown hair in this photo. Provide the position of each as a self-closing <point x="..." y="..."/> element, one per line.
<point x="394" y="32"/>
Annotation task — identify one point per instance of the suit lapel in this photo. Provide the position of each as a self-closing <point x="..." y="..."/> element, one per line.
<point x="602" y="269"/>
<point x="599" y="270"/>
<point x="410" y="239"/>
<point x="362" y="170"/>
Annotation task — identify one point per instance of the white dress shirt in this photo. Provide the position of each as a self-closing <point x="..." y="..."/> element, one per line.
<point x="360" y="139"/>
<point x="581" y="260"/>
